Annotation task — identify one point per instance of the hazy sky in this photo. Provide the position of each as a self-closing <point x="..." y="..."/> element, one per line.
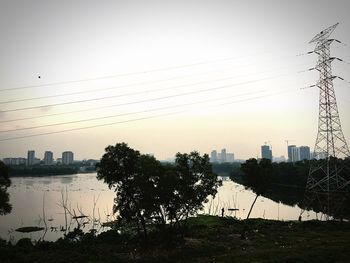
<point x="173" y="76"/>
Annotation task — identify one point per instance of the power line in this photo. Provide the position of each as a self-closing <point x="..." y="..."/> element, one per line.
<point x="125" y="121"/>
<point x="147" y="100"/>
<point x="85" y="110"/>
<point x="122" y="74"/>
<point x="128" y="85"/>
<point x="125" y="114"/>
<point x="89" y="127"/>
<point x="134" y="73"/>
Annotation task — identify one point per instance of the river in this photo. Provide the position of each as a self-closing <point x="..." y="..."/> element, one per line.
<point x="37" y="201"/>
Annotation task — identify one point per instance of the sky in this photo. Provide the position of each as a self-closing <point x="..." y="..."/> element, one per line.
<point x="165" y="76"/>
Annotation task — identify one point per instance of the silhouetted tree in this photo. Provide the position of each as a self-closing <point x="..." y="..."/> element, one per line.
<point x="133" y="176"/>
<point x="257" y="176"/>
<point x="5" y="182"/>
<point x="186" y="186"/>
<point x="147" y="191"/>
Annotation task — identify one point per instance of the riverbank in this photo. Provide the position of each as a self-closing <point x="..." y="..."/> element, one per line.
<point x="206" y="239"/>
<point x="40" y="171"/>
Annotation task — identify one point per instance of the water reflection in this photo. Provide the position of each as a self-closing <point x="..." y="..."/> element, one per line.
<point x="84" y="195"/>
<point x="67" y="180"/>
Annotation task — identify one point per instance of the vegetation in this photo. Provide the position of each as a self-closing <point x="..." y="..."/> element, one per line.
<point x="286" y="182"/>
<point x="206" y="239"/>
<point x="257" y="175"/>
<point x="225" y="169"/>
<point x="5" y="182"/>
<point x="149" y="192"/>
<point x="38" y="170"/>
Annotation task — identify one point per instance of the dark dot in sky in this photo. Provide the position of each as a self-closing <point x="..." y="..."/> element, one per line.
<point x="39" y="77"/>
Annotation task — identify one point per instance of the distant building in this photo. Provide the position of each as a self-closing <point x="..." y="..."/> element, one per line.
<point x="67" y="157"/>
<point x="30" y="158"/>
<point x="214" y="156"/>
<point x="15" y="161"/>
<point x="230" y="157"/>
<point x="223" y="156"/>
<point x="48" y="158"/>
<point x="266" y="152"/>
<point x="290" y="147"/>
<point x="7" y="161"/>
<point x="304" y="152"/>
<point x="219" y="157"/>
<point x="295" y="154"/>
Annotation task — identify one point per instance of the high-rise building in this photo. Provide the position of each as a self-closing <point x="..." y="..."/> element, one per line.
<point x="266" y="153"/>
<point x="223" y="156"/>
<point x="304" y="152"/>
<point x="230" y="157"/>
<point x="290" y="147"/>
<point x="295" y="154"/>
<point x="48" y="158"/>
<point x="31" y="158"/>
<point x="214" y="156"/>
<point x="67" y="157"/>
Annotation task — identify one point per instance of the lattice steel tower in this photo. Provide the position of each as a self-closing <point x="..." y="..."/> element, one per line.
<point x="327" y="176"/>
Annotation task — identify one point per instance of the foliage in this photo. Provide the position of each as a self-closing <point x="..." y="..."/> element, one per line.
<point x="24" y="243"/>
<point x="226" y="169"/>
<point x="287" y="183"/>
<point x="147" y="191"/>
<point x="186" y="186"/>
<point x="208" y="239"/>
<point x="257" y="174"/>
<point x="5" y="182"/>
<point x="133" y="176"/>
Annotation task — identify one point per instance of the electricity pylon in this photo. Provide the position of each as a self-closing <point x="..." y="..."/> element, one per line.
<point x="328" y="182"/>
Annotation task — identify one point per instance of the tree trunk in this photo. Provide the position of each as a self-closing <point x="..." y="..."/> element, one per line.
<point x="251" y="208"/>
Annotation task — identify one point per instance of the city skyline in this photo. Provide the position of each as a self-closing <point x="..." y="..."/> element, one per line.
<point x="184" y="48"/>
<point x="293" y="153"/>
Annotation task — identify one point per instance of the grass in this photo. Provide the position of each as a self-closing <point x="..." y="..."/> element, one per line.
<point x="206" y="239"/>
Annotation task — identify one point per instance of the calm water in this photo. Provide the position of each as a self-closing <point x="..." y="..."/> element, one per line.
<point x="36" y="198"/>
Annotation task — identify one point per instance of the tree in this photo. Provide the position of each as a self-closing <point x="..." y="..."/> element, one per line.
<point x="5" y="182"/>
<point x="132" y="175"/>
<point x="257" y="176"/>
<point x="147" y="191"/>
<point x="186" y="186"/>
